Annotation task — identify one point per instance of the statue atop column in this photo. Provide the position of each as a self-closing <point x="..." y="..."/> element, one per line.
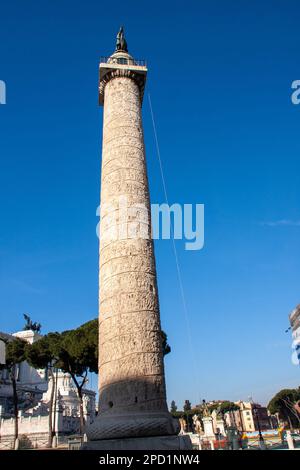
<point x="121" y="44"/>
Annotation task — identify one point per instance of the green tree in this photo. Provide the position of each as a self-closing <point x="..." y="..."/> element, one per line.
<point x="197" y="411"/>
<point x="77" y="353"/>
<point x="283" y="403"/>
<point x="43" y="355"/>
<point x="228" y="406"/>
<point x="14" y="355"/>
<point x="187" y="409"/>
<point x="166" y="348"/>
<point x="173" y="407"/>
<point x="74" y="352"/>
<point x="187" y="406"/>
<point x="224" y="407"/>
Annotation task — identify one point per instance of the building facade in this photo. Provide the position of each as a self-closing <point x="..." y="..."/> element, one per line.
<point x="249" y="417"/>
<point x="33" y="389"/>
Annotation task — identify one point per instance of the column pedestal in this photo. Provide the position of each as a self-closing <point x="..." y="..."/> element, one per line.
<point x="208" y="427"/>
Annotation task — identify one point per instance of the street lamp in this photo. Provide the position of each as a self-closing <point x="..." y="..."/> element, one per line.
<point x="262" y="444"/>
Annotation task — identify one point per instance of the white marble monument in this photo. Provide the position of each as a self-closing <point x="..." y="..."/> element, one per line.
<point x="208" y="427"/>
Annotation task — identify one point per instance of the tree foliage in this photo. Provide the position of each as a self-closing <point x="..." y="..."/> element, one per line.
<point x="166" y="348"/>
<point x="78" y="349"/>
<point x="224" y="407"/>
<point x="283" y="404"/>
<point x="173" y="407"/>
<point x="43" y="354"/>
<point x="187" y="406"/>
<point x="14" y="355"/>
<point x="14" y="352"/>
<point x="73" y="351"/>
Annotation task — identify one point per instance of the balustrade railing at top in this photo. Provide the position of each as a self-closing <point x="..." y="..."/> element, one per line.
<point x="122" y="61"/>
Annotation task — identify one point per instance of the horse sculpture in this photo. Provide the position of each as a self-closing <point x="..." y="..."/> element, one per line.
<point x="30" y="325"/>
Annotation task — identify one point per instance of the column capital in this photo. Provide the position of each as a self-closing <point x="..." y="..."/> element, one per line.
<point x="121" y="64"/>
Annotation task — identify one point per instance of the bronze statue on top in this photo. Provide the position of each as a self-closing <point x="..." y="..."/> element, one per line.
<point x="30" y="325"/>
<point x="121" y="44"/>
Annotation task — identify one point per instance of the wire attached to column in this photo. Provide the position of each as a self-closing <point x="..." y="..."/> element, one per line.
<point x="184" y="303"/>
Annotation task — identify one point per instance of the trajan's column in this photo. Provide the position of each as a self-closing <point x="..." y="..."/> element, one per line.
<point x="133" y="412"/>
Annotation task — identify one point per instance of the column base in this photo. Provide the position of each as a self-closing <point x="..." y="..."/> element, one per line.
<point x="141" y="443"/>
<point x="134" y="424"/>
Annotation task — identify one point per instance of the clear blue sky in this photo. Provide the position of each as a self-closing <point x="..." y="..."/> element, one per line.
<point x="220" y="74"/>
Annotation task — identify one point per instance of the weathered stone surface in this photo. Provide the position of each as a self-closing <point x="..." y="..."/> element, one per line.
<point x="131" y="371"/>
<point x="129" y="282"/>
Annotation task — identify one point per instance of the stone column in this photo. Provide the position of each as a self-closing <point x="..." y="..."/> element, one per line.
<point x="132" y="396"/>
<point x="131" y="369"/>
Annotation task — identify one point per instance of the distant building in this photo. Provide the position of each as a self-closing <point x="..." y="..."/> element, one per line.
<point x="250" y="417"/>
<point x="34" y="387"/>
<point x="294" y="318"/>
<point x="31" y="383"/>
<point x="3" y="339"/>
